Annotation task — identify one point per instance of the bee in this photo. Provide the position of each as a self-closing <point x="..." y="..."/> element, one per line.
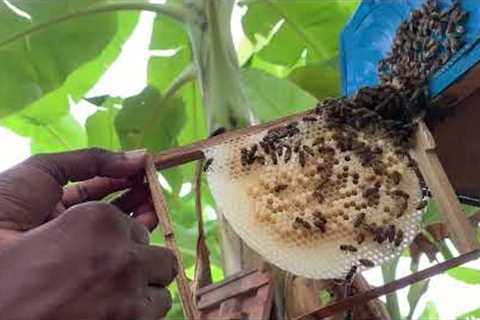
<point x="319" y="196"/>
<point x="288" y="154"/>
<point x="348" y="247"/>
<point x="396" y="177"/>
<point x="366" y="263"/>
<point x="390" y="233"/>
<point x="280" y="187"/>
<point x="244" y="156"/>
<point x="301" y="222"/>
<point x="208" y="163"/>
<point x="400" y="193"/>
<point x="309" y="119"/>
<point x="265" y="146"/>
<point x="302" y="158"/>
<point x="358" y="220"/>
<point x="379" y="235"/>
<point x="308" y="150"/>
<point x="422" y="204"/>
<point x="273" y="155"/>
<point x="320" y="223"/>
<point x="296" y="148"/>
<point x="280" y="150"/>
<point x="218" y="132"/>
<point x="351" y="274"/>
<point x="360" y="238"/>
<point x="253" y="150"/>
<point x="399" y="238"/>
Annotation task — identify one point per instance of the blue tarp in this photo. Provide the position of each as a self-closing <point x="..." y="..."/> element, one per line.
<point x="369" y="34"/>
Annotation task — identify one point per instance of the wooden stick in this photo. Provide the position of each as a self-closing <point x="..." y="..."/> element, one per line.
<point x="461" y="231"/>
<point x="363" y="297"/>
<point x="177" y="156"/>
<point x="161" y="209"/>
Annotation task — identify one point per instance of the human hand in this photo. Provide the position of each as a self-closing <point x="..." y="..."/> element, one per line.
<point x="88" y="261"/>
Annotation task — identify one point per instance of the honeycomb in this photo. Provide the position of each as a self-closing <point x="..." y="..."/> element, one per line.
<point x="316" y="199"/>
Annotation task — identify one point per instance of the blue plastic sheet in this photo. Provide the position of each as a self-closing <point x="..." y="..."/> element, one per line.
<point x="368" y="37"/>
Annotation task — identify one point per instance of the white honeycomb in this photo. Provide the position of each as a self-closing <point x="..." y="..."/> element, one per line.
<point x="280" y="209"/>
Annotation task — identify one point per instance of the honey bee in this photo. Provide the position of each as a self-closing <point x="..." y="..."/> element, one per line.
<point x="274" y="158"/>
<point x="379" y="235"/>
<point x="348" y="247"/>
<point x="260" y="159"/>
<point x="208" y="163"/>
<point x="302" y="158"/>
<point x="360" y="238"/>
<point x="308" y="150"/>
<point x="396" y="177"/>
<point x="319" y="223"/>
<point x="351" y="274"/>
<point x="399" y="238"/>
<point x="358" y="220"/>
<point x="280" y="187"/>
<point x="301" y="222"/>
<point x="367" y="263"/>
<point x="288" y="154"/>
<point x="309" y="119"/>
<point x="218" y="131"/>
<point x="390" y="233"/>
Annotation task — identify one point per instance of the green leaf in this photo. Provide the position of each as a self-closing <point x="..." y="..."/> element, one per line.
<point x="415" y="292"/>
<point x="311" y="26"/>
<point x="389" y="271"/>
<point x="465" y="274"/>
<point x="273" y="98"/>
<point x="430" y="312"/>
<point x="321" y="80"/>
<point x="169" y="34"/>
<point x="471" y="315"/>
<point x="433" y="215"/>
<point x="62" y="134"/>
<point x="40" y="62"/>
<point x="148" y="121"/>
<point x="101" y="131"/>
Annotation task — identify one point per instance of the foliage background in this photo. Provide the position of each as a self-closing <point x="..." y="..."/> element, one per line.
<point x="288" y="57"/>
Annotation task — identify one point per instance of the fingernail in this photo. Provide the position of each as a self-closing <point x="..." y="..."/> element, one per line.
<point x="136" y="155"/>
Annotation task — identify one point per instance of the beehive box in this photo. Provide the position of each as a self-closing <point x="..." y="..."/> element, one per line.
<point x="368" y="38"/>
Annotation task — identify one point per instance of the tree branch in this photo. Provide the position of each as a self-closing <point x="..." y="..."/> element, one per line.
<point x="174" y="11"/>
<point x="392" y="286"/>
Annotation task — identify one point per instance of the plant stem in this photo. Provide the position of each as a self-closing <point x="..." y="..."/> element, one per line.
<point x="187" y="75"/>
<point x="180" y="13"/>
<point x="389" y="271"/>
<point x="445" y="250"/>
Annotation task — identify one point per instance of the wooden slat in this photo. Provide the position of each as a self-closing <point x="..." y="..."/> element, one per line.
<point x="461" y="231"/>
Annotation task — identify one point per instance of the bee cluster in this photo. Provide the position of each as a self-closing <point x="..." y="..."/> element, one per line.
<point x="339" y="179"/>
<point x="311" y="182"/>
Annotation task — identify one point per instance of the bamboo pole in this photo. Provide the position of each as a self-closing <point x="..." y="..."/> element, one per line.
<point x="460" y="230"/>
<point x="161" y="209"/>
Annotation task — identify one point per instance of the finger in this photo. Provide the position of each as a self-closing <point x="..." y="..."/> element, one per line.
<point x="160" y="265"/>
<point x="138" y="232"/>
<point x="93" y="189"/>
<point x="133" y="198"/>
<point x="157" y="303"/>
<point x="30" y="190"/>
<point x="145" y="214"/>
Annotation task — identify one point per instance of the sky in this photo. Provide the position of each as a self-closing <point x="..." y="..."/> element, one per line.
<point x="127" y="76"/>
